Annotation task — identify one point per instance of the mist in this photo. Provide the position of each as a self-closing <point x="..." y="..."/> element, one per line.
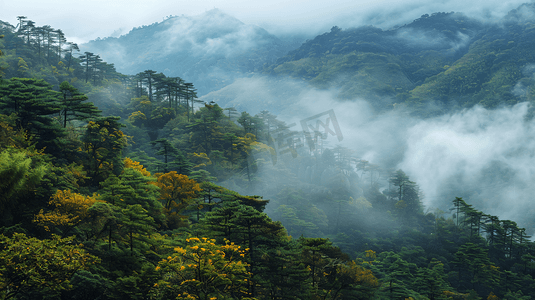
<point x="485" y="156"/>
<point x="288" y="18"/>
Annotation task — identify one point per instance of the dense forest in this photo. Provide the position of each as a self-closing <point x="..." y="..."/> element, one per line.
<point x="437" y="63"/>
<point x="118" y="186"/>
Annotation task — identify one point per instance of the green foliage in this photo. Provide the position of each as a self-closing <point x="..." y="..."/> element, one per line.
<point x="399" y="251"/>
<point x="20" y="174"/>
<point x="33" y="101"/>
<point x="103" y="142"/>
<point x="73" y="107"/>
<point x="29" y="265"/>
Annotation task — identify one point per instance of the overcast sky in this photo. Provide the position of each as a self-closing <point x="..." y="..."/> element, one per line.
<point x="83" y="20"/>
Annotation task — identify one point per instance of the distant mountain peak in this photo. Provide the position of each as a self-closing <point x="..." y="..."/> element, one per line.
<point x="194" y="48"/>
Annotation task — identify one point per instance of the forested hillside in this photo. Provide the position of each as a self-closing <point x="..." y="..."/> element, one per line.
<point x="444" y="59"/>
<point x="118" y="186"/>
<point x="212" y="49"/>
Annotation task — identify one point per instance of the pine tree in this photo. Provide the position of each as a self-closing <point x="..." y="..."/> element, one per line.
<point x="167" y="150"/>
<point x="73" y="105"/>
<point x="34" y="102"/>
<point x="137" y="225"/>
<point x="473" y="268"/>
<point x="103" y="142"/>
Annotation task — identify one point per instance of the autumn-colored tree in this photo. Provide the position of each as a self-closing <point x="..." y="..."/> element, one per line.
<point x="69" y="210"/>
<point x="130" y="164"/>
<point x="29" y="265"/>
<point x="205" y="270"/>
<point x="176" y="193"/>
<point x="350" y="280"/>
<point x="12" y="137"/>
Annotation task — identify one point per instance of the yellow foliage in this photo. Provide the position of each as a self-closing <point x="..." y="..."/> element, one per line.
<point x="137" y="115"/>
<point x="401" y="205"/>
<point x="28" y="263"/>
<point x="176" y="190"/>
<point x="358" y="275"/>
<point x="141" y="104"/>
<point x="75" y="174"/>
<point x="70" y="209"/>
<point x="370" y="256"/>
<point x="454" y="295"/>
<point x="203" y="268"/>
<point x="129" y="163"/>
<point x="201" y="159"/>
<point x="10" y="137"/>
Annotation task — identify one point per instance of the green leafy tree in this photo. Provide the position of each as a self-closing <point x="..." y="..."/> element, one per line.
<point x="408" y="203"/>
<point x="282" y="272"/>
<point x="143" y="191"/>
<point x="88" y="60"/>
<point x="173" y="158"/>
<point x="103" y="142"/>
<point x="397" y="275"/>
<point x="432" y="281"/>
<point x="29" y="265"/>
<point x="20" y="174"/>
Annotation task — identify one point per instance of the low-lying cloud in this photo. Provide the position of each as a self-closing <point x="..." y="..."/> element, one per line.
<point x="485" y="156"/>
<point x="86" y="21"/>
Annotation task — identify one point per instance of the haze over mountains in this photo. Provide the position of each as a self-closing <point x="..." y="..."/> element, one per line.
<point x="211" y="49"/>
<point x="424" y="61"/>
<point x="367" y="162"/>
<point x="397" y="91"/>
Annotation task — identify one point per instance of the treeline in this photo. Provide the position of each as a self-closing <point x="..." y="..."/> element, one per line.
<point x="81" y="221"/>
<point x="112" y="188"/>
<point x="433" y="65"/>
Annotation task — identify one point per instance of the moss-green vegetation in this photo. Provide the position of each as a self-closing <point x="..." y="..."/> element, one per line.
<point x="445" y="59"/>
<point x="126" y="187"/>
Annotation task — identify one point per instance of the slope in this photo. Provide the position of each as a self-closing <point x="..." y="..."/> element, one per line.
<point x="446" y="59"/>
<point x="211" y="49"/>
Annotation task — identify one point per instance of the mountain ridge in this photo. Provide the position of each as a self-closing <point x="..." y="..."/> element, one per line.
<point x="445" y="58"/>
<point x="211" y="49"/>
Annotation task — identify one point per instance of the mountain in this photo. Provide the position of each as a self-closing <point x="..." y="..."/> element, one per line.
<point x="210" y="50"/>
<point x="438" y="62"/>
<point x="444" y="59"/>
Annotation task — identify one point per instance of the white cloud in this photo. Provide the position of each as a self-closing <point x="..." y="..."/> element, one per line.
<point x="85" y="20"/>
<point x="482" y="155"/>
